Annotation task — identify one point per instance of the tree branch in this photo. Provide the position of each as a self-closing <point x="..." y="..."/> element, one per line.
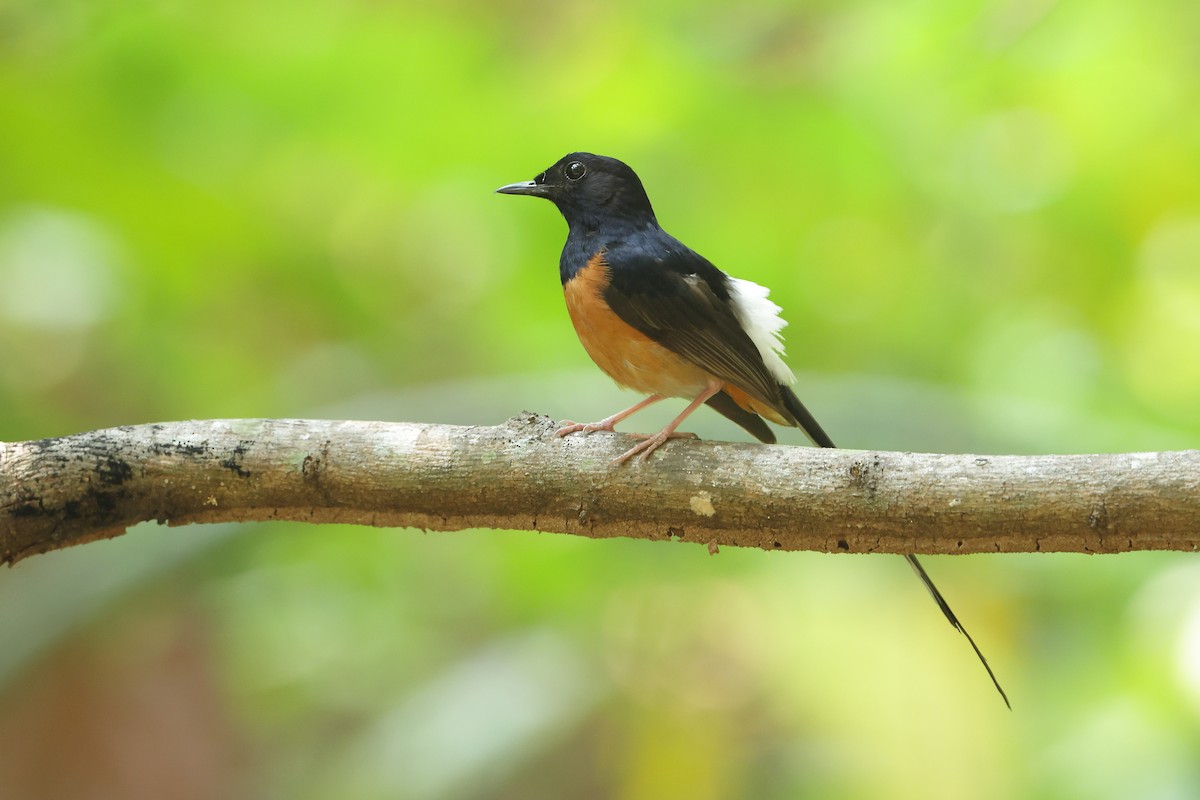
<point x="55" y="493"/>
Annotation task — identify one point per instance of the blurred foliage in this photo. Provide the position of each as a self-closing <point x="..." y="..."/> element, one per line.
<point x="981" y="218"/>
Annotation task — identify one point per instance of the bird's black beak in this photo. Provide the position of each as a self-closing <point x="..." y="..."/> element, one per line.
<point x="531" y="188"/>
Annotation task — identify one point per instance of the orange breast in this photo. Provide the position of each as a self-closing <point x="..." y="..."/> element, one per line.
<point x="626" y="354"/>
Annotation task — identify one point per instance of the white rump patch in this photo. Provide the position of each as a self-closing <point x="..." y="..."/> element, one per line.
<point x="761" y="321"/>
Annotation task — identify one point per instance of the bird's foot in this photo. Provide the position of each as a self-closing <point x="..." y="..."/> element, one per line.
<point x="651" y="442"/>
<point x="569" y="427"/>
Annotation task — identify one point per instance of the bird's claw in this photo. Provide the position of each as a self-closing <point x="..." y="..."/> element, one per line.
<point x="651" y="442"/>
<point x="648" y="444"/>
<point x="569" y="427"/>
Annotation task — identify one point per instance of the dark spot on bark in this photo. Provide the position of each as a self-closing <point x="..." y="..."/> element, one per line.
<point x="777" y="545"/>
<point x="843" y="544"/>
<point x="587" y="513"/>
<point x="105" y="503"/>
<point x="234" y="462"/>
<point x="113" y="471"/>
<point x="26" y="510"/>
<point x="40" y="446"/>
<point x="178" y="448"/>
<point x="311" y="469"/>
<point x="864" y="475"/>
<point x="71" y="510"/>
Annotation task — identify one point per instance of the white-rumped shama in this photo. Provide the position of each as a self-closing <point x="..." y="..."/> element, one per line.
<point x="662" y="320"/>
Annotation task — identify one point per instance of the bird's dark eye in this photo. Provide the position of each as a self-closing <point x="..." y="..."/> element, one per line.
<point x="575" y="170"/>
<point x="540" y="179"/>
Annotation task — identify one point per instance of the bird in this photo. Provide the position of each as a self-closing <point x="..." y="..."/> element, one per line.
<point x="661" y="319"/>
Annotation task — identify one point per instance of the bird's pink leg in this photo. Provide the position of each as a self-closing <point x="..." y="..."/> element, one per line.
<point x="652" y="443"/>
<point x="607" y="423"/>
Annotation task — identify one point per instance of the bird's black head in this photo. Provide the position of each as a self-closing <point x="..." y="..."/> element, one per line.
<point x="590" y="191"/>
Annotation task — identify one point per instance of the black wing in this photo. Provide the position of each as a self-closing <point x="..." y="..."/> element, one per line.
<point x="680" y="300"/>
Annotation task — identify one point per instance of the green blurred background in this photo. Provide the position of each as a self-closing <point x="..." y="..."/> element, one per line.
<point x="982" y="220"/>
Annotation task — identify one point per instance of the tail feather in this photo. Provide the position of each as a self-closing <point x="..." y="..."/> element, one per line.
<point x="752" y="422"/>
<point x="804" y="420"/>
<point x="945" y="607"/>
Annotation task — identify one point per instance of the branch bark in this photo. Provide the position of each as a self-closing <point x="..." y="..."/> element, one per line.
<point x="55" y="493"/>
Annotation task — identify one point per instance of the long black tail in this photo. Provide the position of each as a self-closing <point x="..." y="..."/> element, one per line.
<point x="804" y="420"/>
<point x="945" y="607"/>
